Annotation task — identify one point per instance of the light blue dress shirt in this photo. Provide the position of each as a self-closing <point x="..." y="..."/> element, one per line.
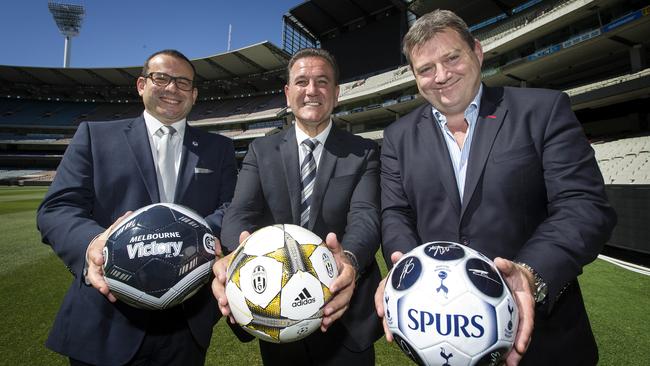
<point x="459" y="157"/>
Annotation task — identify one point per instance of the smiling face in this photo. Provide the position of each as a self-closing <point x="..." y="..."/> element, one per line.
<point x="447" y="71"/>
<point x="168" y="104"/>
<point x="311" y="93"/>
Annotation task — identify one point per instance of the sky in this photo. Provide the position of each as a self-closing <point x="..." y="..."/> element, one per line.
<point x="118" y="33"/>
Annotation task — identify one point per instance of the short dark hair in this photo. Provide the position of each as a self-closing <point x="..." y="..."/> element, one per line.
<point x="314" y="52"/>
<point x="168" y="52"/>
<point x="430" y="24"/>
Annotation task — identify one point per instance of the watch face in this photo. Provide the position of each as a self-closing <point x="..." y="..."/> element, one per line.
<point x="540" y="292"/>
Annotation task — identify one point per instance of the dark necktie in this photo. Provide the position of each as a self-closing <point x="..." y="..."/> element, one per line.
<point x="307" y="178"/>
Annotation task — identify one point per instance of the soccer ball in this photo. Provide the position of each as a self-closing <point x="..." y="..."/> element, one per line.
<point x="446" y="304"/>
<point x="159" y="256"/>
<point x="278" y="283"/>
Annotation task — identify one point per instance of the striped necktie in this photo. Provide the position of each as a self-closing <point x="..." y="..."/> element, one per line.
<point x="307" y="178"/>
<point x="166" y="163"/>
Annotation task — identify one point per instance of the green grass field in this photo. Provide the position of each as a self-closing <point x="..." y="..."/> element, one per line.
<point x="33" y="281"/>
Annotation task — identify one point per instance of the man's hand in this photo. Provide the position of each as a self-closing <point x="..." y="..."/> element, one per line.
<point x="220" y="268"/>
<point x="521" y="282"/>
<point x="217" y="248"/>
<point x="379" y="298"/>
<point x="95" y="261"/>
<point x="343" y="286"/>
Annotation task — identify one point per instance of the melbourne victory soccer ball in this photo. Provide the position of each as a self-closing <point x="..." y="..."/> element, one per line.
<point x="278" y="283"/>
<point x="446" y="304"/>
<point x="159" y="256"/>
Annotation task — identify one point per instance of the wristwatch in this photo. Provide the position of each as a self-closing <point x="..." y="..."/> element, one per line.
<point x="540" y="289"/>
<point x="353" y="261"/>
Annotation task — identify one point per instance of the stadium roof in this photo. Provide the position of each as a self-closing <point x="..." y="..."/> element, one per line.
<point x="472" y="11"/>
<point x="324" y="16"/>
<point x="253" y="68"/>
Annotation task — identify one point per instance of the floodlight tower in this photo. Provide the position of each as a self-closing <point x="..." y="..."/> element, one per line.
<point x="68" y="18"/>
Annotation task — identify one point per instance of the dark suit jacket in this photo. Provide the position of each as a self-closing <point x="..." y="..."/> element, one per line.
<point x="107" y="170"/>
<point x="345" y="200"/>
<point x="533" y="193"/>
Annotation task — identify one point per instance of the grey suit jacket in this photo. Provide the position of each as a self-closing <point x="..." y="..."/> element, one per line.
<point x="345" y="200"/>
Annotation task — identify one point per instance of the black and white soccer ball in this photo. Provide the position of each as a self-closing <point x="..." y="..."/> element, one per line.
<point x="278" y="283"/>
<point x="159" y="256"/>
<point x="446" y="304"/>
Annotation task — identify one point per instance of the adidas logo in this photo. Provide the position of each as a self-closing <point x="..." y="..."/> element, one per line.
<point x="303" y="298"/>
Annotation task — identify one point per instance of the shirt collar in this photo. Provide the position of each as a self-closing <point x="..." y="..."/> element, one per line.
<point x="471" y="112"/>
<point x="321" y="137"/>
<point x="154" y="124"/>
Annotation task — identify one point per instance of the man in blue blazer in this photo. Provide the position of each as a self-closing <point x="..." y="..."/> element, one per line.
<point x="344" y="207"/>
<point x="108" y="169"/>
<point x="506" y="171"/>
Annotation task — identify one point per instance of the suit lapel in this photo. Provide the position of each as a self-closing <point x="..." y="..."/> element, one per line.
<point x="138" y="141"/>
<point x="325" y="170"/>
<point x="488" y="124"/>
<point x="431" y="135"/>
<point x="189" y="159"/>
<point x="289" y="152"/>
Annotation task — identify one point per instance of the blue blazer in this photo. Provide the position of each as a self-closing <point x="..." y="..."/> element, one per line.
<point x="107" y="170"/>
<point x="345" y="200"/>
<point x="533" y="193"/>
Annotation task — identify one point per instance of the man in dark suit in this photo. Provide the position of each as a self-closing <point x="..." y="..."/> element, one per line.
<point x="343" y="205"/>
<point x="506" y="171"/>
<point x="111" y="168"/>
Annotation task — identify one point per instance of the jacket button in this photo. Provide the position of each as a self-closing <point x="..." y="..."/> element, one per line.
<point x="464" y="241"/>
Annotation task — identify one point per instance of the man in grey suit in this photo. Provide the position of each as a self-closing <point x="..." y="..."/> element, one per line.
<point x="111" y="168"/>
<point x="343" y="205"/>
<point x="506" y="171"/>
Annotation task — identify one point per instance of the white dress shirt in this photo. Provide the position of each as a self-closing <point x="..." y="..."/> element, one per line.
<point x="153" y="125"/>
<point x="318" y="151"/>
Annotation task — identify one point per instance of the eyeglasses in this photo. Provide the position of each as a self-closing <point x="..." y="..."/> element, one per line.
<point x="162" y="79"/>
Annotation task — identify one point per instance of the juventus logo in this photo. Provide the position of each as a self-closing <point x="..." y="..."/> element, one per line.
<point x="328" y="265"/>
<point x="259" y="279"/>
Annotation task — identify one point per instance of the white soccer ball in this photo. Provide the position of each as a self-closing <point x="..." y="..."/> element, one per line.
<point x="278" y="283"/>
<point x="159" y="256"/>
<point x="446" y="304"/>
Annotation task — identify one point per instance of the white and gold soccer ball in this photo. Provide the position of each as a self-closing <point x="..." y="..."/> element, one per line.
<point x="278" y="283"/>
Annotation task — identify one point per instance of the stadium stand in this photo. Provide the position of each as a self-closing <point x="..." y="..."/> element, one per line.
<point x="531" y="16"/>
<point x="230" y="100"/>
<point x="12" y="174"/>
<point x="384" y="82"/>
<point x="33" y="113"/>
<point x="27" y="177"/>
<point x="37" y="179"/>
<point x="255" y="133"/>
<point x="108" y="111"/>
<point x="624" y="161"/>
<point x="237" y="110"/>
<point x="597" y="51"/>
